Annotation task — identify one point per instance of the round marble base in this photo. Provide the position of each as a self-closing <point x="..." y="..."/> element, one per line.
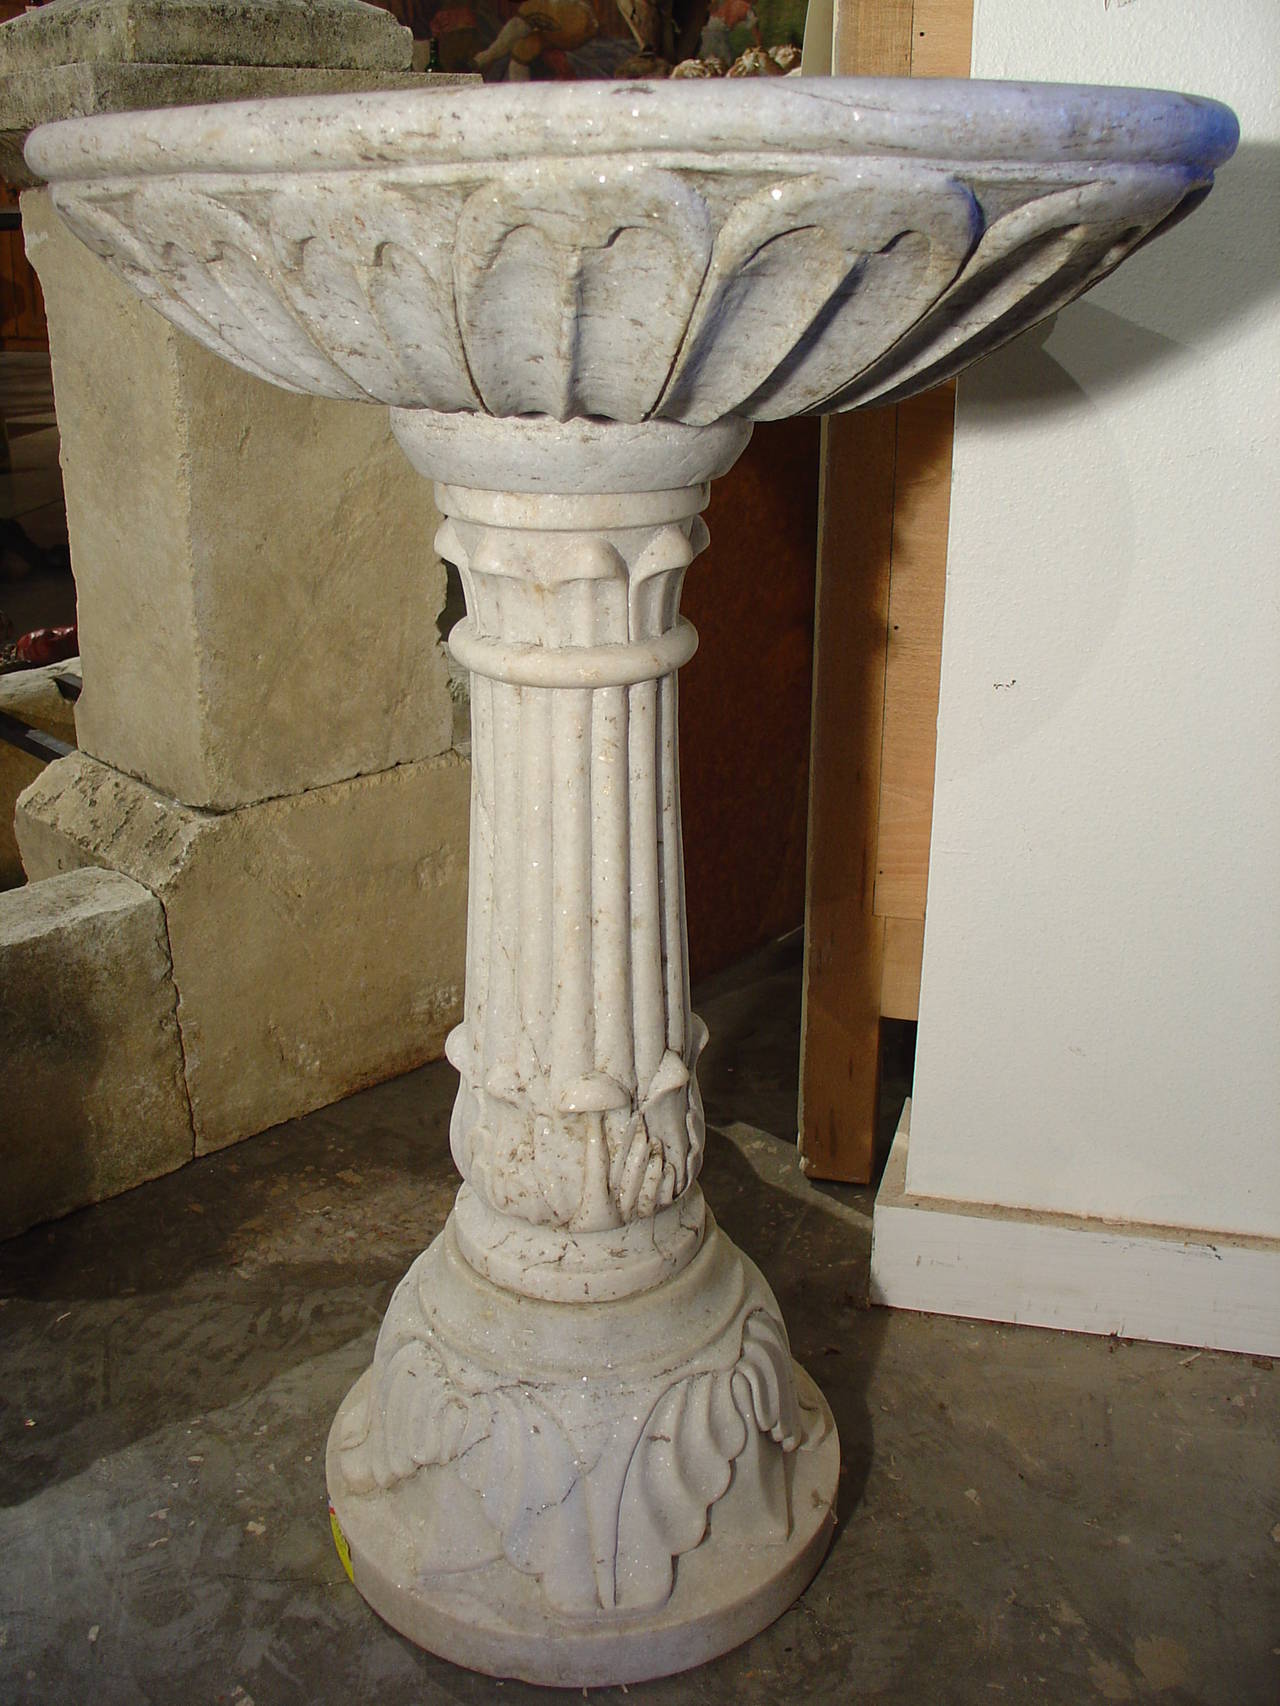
<point x="583" y="1493"/>
<point x="496" y="1620"/>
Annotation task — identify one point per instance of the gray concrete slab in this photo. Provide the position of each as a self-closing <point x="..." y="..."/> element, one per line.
<point x="1026" y="1516"/>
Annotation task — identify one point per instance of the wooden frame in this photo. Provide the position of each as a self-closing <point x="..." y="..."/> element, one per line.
<point x="884" y="508"/>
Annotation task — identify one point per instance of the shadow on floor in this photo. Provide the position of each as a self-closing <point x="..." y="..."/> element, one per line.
<point x="1024" y="1516"/>
<point x="195" y="1290"/>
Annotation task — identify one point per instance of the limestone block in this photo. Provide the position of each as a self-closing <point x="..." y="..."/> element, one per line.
<point x="216" y="32"/>
<point x="71" y="58"/>
<point x="32" y="696"/>
<point x="317" y="940"/>
<point x="94" y="1095"/>
<point x="256" y="581"/>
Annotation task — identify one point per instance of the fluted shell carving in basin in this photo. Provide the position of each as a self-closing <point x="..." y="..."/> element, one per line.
<point x="628" y="252"/>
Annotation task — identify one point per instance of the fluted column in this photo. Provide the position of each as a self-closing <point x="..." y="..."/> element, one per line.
<point x="578" y="1126"/>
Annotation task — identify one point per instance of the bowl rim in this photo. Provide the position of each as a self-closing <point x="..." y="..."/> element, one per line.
<point x="1050" y="124"/>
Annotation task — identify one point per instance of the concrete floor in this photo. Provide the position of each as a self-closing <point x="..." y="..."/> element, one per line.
<point x="1026" y="1517"/>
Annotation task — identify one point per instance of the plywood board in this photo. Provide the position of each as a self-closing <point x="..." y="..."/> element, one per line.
<point x="874" y="702"/>
<point x="900" y="969"/>
<point x="844" y="940"/>
<point x="872" y="38"/>
<point x="921" y="510"/>
<point x="941" y="38"/>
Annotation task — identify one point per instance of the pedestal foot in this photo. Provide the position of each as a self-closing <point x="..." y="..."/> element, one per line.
<point x="521" y="1517"/>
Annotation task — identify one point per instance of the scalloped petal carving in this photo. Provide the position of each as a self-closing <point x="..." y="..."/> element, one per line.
<point x="810" y="276"/>
<point x="117" y="225"/>
<point x="574" y="286"/>
<point x="215" y="274"/>
<point x="614" y="288"/>
<point x="348" y="294"/>
<point x="1032" y="261"/>
<point x="374" y="278"/>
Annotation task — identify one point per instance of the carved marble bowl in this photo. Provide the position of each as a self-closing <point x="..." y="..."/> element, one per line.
<point x="673" y="251"/>
<point x="583" y="1453"/>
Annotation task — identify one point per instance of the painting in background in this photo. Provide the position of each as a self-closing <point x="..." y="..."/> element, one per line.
<point x="518" y="40"/>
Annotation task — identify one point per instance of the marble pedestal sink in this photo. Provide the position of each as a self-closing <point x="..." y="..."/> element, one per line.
<point x="582" y="1453"/>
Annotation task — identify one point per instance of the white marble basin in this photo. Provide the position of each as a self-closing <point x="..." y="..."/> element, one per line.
<point x="678" y="251"/>
<point x="582" y="1453"/>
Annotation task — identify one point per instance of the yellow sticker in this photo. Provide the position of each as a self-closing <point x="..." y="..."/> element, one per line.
<point x="340" y="1541"/>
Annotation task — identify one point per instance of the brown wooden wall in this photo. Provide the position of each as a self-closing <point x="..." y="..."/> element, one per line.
<point x="22" y="322"/>
<point x="744" y="698"/>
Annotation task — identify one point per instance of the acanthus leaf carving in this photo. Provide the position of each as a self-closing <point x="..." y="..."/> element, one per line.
<point x="587" y="1162"/>
<point x="417" y="1416"/>
<point x="682" y="1465"/>
<point x="534" y="1493"/>
<point x="686" y="1453"/>
<point x="594" y="1486"/>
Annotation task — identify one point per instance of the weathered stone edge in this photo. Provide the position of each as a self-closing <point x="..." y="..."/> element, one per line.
<point x="35" y="97"/>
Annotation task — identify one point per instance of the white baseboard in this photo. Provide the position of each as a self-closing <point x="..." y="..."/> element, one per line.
<point x="1215" y="1290"/>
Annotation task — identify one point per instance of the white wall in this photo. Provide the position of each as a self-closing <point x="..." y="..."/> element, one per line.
<point x="1100" y="1010"/>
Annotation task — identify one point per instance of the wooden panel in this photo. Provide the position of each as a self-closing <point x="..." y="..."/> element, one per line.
<point x="941" y="46"/>
<point x="941" y="38"/>
<point x="844" y="940"/>
<point x="921" y="512"/>
<point x="872" y="38"/>
<point x="900" y="977"/>
<point x="856" y="959"/>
